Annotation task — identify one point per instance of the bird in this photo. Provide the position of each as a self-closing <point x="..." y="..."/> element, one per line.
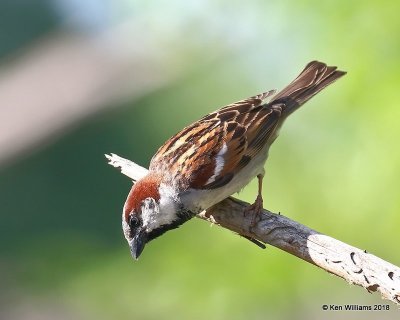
<point x="213" y="158"/>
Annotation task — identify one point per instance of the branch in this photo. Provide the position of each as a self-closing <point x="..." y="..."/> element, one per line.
<point x="352" y="264"/>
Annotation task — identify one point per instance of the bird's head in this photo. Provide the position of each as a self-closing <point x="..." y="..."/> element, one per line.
<point x="151" y="208"/>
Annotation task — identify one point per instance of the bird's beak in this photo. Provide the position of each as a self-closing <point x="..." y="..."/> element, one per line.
<point x="137" y="243"/>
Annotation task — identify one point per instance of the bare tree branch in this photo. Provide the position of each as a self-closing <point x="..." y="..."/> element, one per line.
<point x="352" y="264"/>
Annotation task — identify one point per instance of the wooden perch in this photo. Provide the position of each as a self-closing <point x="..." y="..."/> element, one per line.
<point x="352" y="264"/>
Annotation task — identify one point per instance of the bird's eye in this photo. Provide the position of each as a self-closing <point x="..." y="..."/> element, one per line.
<point x="134" y="221"/>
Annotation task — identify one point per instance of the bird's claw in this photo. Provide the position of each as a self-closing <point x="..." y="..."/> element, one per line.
<point x="256" y="208"/>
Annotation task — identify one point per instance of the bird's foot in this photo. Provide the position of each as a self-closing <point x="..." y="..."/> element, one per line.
<point x="256" y="209"/>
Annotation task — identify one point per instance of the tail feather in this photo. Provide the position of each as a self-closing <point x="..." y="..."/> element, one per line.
<point x="315" y="77"/>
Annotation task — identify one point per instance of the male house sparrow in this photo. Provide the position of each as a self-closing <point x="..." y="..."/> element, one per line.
<point x="213" y="158"/>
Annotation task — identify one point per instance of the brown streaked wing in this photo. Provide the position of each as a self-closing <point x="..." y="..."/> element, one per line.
<point x="180" y="144"/>
<point x="172" y="145"/>
<point x="244" y="126"/>
<point x="249" y="138"/>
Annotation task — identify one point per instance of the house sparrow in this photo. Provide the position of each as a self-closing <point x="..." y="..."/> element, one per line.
<point x="213" y="158"/>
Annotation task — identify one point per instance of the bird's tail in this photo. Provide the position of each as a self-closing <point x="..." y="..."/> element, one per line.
<point x="315" y="77"/>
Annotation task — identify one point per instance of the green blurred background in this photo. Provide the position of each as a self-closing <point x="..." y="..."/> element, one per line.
<point x="123" y="76"/>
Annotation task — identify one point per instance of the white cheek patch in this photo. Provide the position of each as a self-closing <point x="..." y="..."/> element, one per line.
<point x="150" y="212"/>
<point x="156" y="214"/>
<point x="219" y="163"/>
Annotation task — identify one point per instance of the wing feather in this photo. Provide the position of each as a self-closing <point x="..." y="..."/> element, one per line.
<point x="207" y="154"/>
